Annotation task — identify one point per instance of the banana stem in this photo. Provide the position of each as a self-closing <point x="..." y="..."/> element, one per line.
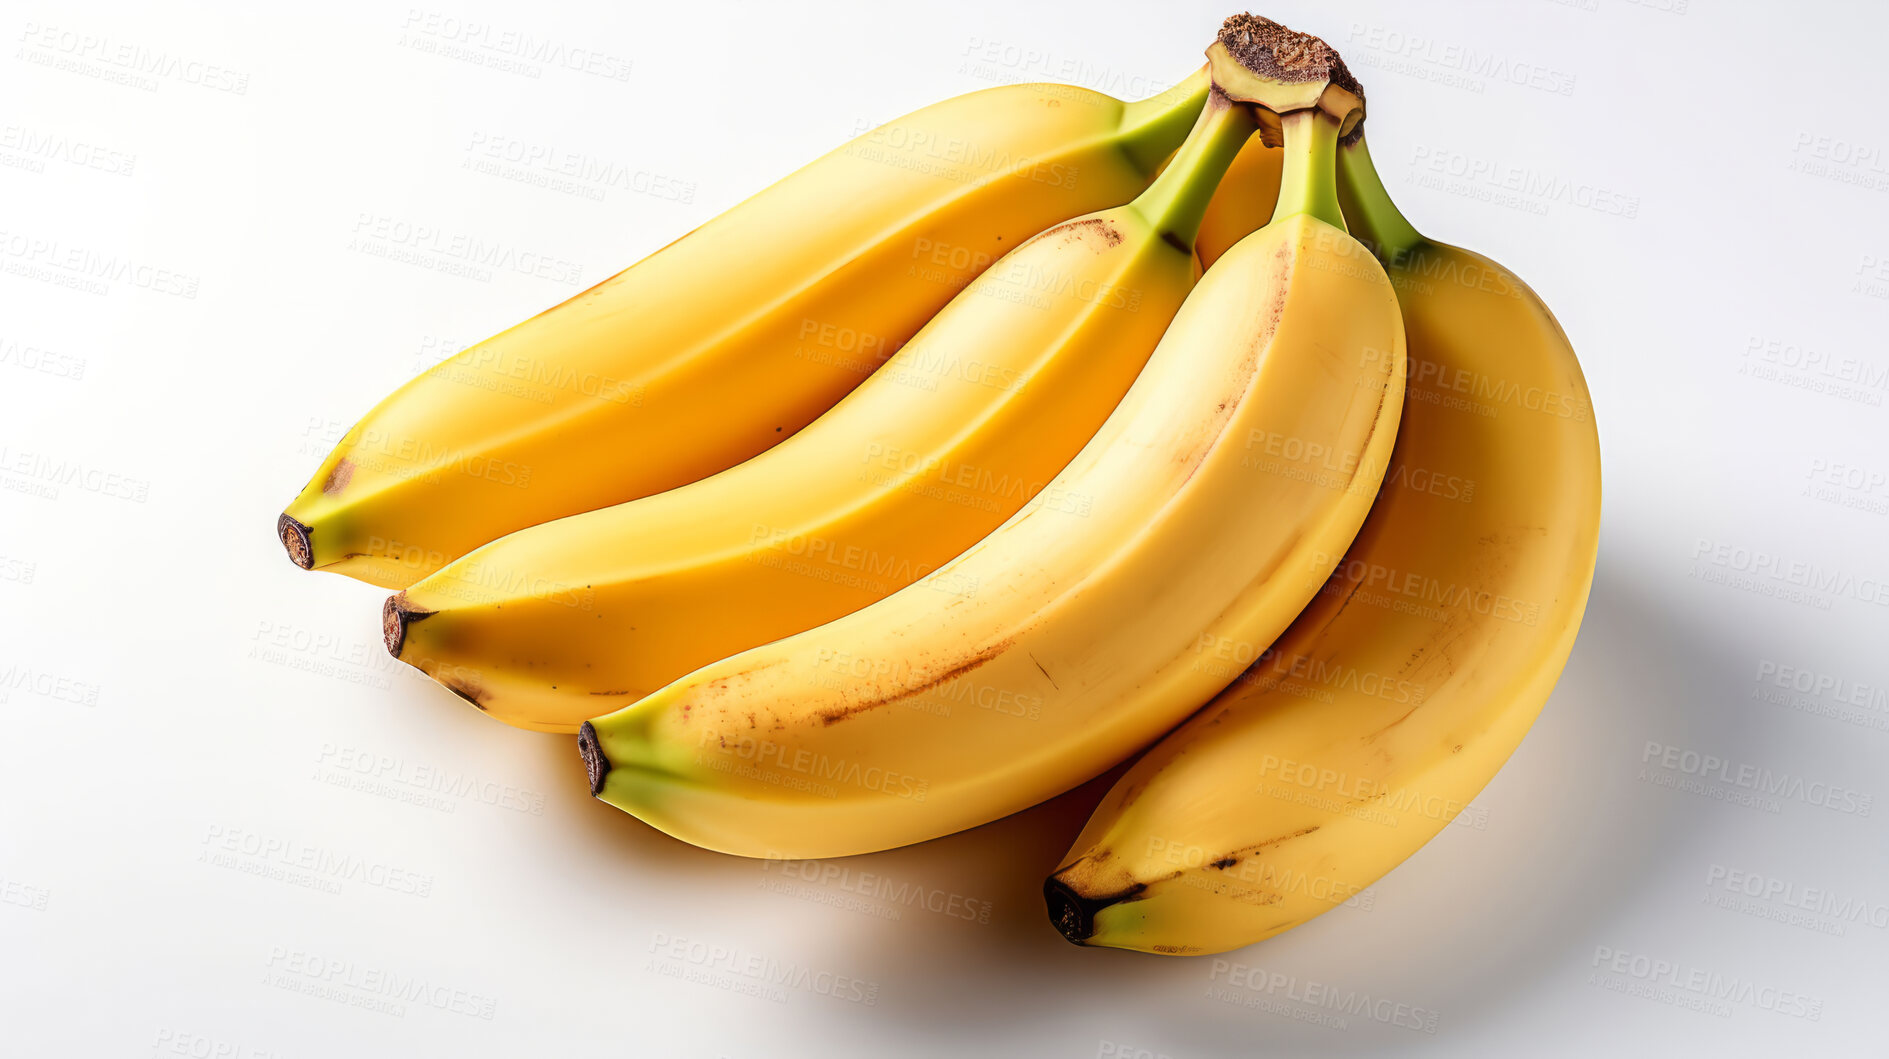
<point x="1308" y="183"/>
<point x="1177" y="200"/>
<point x="1374" y="218"/>
<point x="1149" y="126"/>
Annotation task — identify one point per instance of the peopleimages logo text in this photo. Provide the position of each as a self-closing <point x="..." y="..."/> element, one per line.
<point x="1757" y="778"/>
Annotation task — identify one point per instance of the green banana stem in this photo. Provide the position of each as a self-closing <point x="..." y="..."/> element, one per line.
<point x="1374" y="218"/>
<point x="1150" y="126"/>
<point x="1177" y="200"/>
<point x="1308" y="183"/>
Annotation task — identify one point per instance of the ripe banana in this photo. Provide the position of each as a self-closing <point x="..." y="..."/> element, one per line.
<point x="1403" y="688"/>
<point x="1067" y="639"/>
<point x="1253" y="185"/>
<point x="948" y="439"/>
<point x="727" y="340"/>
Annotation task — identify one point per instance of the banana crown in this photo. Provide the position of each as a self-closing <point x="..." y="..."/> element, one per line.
<point x="1256" y="60"/>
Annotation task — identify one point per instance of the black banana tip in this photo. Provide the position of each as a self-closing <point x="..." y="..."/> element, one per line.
<point x="596" y="766"/>
<point x="1073" y="914"/>
<point x="395" y="615"/>
<point x="295" y="539"/>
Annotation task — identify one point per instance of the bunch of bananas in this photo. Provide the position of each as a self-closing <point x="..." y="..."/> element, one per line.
<point x="1020" y="435"/>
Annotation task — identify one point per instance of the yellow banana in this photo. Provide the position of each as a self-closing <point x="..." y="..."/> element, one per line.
<point x="948" y="439"/>
<point x="727" y="340"/>
<point x="1252" y="182"/>
<point x="1403" y="688"/>
<point x="1070" y="637"/>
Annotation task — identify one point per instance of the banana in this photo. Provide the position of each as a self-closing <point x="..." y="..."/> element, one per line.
<point x="949" y="438"/>
<point x="1253" y="183"/>
<point x="1403" y="688"/>
<point x="1223" y="488"/>
<point x="727" y="340"/>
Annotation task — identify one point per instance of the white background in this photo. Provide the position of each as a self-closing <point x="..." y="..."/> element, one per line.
<point x="1712" y="235"/>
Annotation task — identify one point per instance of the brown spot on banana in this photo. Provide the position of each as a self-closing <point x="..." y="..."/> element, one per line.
<point x="1090" y="228"/>
<point x="1235" y="856"/>
<point x="1045" y="672"/>
<point x="339" y="478"/>
<point x="464" y="689"/>
<point x="1393" y="724"/>
<point x="1074" y="912"/>
<point x="837" y="714"/>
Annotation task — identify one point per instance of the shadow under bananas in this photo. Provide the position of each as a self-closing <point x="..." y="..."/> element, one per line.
<point x="1578" y="849"/>
<point x="1472" y="922"/>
